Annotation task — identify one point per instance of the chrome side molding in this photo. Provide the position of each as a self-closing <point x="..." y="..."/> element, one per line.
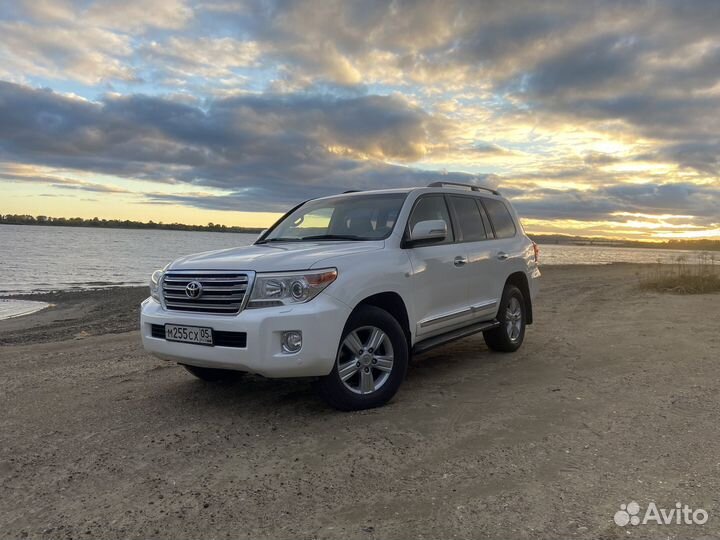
<point x="457" y="313"/>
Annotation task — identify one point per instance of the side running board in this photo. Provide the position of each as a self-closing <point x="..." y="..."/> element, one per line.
<point x="431" y="343"/>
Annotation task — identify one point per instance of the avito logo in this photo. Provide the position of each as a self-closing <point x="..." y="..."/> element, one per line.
<point x="629" y="514"/>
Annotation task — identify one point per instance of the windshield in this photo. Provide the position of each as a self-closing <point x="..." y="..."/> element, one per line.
<point x="359" y="217"/>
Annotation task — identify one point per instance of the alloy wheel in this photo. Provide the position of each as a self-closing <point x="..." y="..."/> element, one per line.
<point x="513" y="319"/>
<point x="365" y="360"/>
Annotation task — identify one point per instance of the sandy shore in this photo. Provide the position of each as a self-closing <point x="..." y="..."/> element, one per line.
<point x="75" y="315"/>
<point x="613" y="398"/>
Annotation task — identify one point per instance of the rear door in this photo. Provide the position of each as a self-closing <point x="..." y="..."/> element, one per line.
<point x="440" y="301"/>
<point x="505" y="245"/>
<point x="475" y="235"/>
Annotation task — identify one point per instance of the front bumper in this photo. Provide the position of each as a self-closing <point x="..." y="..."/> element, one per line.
<point x="321" y="322"/>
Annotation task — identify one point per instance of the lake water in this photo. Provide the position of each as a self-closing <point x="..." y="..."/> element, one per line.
<point x="38" y="259"/>
<point x="563" y="254"/>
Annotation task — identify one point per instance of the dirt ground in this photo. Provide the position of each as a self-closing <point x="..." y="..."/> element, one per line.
<point x="613" y="398"/>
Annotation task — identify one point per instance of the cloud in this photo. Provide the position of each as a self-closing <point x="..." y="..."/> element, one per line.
<point x="593" y="64"/>
<point x="570" y="105"/>
<point x="266" y="150"/>
<point x="89" y="55"/>
<point x="356" y="176"/>
<point x="615" y="201"/>
<point x="138" y="15"/>
<point x="701" y="155"/>
<point x="200" y="57"/>
<point x="59" y="182"/>
<point x="92" y="44"/>
<point x="129" y="16"/>
<point x="48" y="10"/>
<point x="701" y="201"/>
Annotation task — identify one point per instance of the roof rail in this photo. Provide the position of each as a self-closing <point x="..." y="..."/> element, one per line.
<point x="471" y="186"/>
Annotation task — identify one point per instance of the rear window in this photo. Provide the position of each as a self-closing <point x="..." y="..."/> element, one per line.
<point x="469" y="219"/>
<point x="500" y="218"/>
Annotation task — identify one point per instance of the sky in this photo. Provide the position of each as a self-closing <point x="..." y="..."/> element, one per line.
<point x="594" y="118"/>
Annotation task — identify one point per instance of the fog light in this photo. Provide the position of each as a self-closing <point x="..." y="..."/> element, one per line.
<point x="291" y="341"/>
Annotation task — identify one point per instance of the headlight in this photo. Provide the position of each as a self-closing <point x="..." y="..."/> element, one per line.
<point x="155" y="284"/>
<point x="289" y="288"/>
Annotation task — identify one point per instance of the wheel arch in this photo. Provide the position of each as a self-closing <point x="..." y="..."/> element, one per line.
<point x="520" y="280"/>
<point x="393" y="303"/>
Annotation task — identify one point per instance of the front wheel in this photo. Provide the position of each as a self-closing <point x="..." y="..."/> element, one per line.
<point x="510" y="334"/>
<point x="371" y="362"/>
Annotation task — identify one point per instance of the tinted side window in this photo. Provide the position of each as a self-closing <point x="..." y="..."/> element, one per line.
<point x="431" y="207"/>
<point x="500" y="218"/>
<point x="469" y="219"/>
<point x="485" y="220"/>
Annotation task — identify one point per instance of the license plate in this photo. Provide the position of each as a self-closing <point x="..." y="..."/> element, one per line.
<point x="189" y="334"/>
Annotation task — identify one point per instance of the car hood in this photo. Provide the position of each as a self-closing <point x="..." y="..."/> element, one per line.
<point x="274" y="257"/>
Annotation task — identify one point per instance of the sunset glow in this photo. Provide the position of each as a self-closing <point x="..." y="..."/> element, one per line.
<point x="595" y="120"/>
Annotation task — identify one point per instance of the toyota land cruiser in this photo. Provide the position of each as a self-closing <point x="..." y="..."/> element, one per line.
<point x="345" y="288"/>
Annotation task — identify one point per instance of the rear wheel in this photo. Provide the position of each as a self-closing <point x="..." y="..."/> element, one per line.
<point x="510" y="334"/>
<point x="371" y="362"/>
<point x="214" y="375"/>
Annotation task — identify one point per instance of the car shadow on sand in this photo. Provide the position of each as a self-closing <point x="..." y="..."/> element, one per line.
<point x="253" y="394"/>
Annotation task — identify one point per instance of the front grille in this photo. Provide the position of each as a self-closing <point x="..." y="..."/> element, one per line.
<point x="221" y="338"/>
<point x="222" y="292"/>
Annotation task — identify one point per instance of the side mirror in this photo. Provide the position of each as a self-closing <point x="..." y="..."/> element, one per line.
<point x="432" y="230"/>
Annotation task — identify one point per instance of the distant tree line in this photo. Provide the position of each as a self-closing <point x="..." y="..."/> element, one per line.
<point x="24" y="219"/>
<point x="675" y="243"/>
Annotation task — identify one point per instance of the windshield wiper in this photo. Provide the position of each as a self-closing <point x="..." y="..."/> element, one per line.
<point x="334" y="237"/>
<point x="315" y="237"/>
<point x="279" y="240"/>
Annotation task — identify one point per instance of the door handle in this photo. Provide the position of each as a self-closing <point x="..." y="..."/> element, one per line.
<point x="460" y="261"/>
<point x="502" y="255"/>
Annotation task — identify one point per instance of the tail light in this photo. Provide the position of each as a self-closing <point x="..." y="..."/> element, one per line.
<point x="536" y="249"/>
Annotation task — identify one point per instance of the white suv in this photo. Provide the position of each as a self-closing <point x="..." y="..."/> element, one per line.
<point x="345" y="288"/>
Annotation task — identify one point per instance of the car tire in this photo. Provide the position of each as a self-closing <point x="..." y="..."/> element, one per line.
<point x="213" y="375"/>
<point x="370" y="364"/>
<point x="512" y="316"/>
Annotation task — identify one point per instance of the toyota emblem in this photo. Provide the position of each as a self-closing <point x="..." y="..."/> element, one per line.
<point x="193" y="289"/>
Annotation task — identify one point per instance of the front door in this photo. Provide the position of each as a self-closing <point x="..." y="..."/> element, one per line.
<point x="438" y="269"/>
